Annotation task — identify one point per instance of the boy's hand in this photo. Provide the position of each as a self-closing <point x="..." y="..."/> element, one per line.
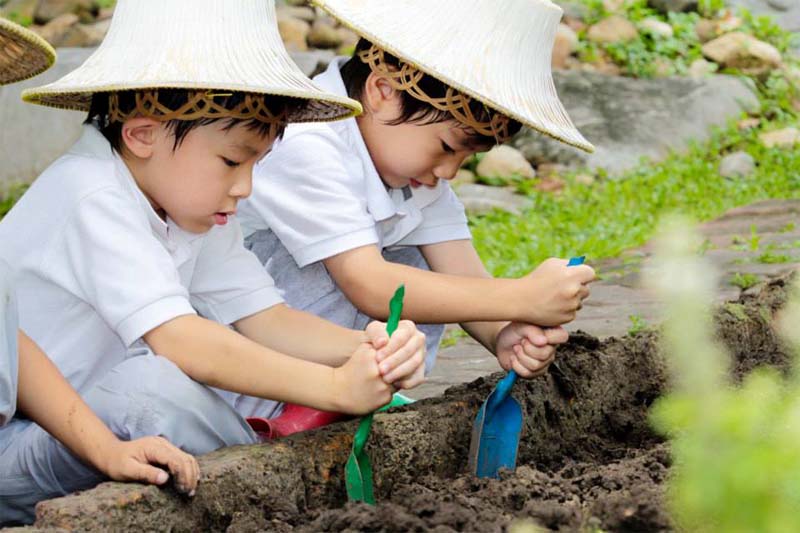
<point x="135" y="460"/>
<point x="401" y="358"/>
<point x="358" y="385"/>
<point x="553" y="293"/>
<point x="528" y="349"/>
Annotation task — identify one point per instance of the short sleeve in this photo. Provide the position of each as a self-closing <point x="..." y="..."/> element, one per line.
<point x="8" y="347"/>
<point x="229" y="282"/>
<point x="107" y="255"/>
<point x="310" y="192"/>
<point x="443" y="220"/>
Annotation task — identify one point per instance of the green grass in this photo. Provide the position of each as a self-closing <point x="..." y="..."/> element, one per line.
<point x="605" y="218"/>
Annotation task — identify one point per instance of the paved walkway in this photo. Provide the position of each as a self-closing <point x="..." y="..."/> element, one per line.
<point x="761" y="239"/>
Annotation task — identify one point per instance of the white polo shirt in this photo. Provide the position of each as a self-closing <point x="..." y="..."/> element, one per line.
<point x="319" y="191"/>
<point x="96" y="268"/>
<point x="8" y="346"/>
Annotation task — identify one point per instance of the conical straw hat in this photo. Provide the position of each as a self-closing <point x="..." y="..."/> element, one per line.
<point x="498" y="52"/>
<point x="23" y="54"/>
<point x="230" y="45"/>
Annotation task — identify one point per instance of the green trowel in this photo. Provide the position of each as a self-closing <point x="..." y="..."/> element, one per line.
<point x="358" y="470"/>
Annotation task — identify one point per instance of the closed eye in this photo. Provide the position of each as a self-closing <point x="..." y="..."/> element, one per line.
<point x="230" y="163"/>
<point x="447" y="148"/>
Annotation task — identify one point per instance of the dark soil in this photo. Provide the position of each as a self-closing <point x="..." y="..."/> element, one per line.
<point x="588" y="458"/>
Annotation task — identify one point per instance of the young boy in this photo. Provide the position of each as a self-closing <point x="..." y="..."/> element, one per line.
<point x="130" y="265"/>
<point x="341" y="213"/>
<point x="27" y="377"/>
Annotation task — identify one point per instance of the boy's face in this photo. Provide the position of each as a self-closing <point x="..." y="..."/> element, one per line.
<point x="410" y="154"/>
<point x="199" y="183"/>
<point x="417" y="155"/>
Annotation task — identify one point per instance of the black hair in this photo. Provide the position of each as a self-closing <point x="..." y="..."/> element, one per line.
<point x="414" y="111"/>
<point x="174" y="99"/>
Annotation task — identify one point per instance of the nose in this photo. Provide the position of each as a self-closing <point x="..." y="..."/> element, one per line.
<point x="243" y="185"/>
<point x="447" y="170"/>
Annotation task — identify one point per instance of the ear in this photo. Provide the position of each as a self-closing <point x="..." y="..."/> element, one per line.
<point x="139" y="136"/>
<point x="380" y="98"/>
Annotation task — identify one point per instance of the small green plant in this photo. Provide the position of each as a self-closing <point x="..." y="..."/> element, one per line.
<point x="22" y="20"/>
<point x="744" y="280"/>
<point x="751" y="243"/>
<point x="710" y="8"/>
<point x="773" y="258"/>
<point x="789" y="227"/>
<point x="10" y="197"/>
<point x="638" y="324"/>
<point x="451" y="337"/>
<point x="735" y="449"/>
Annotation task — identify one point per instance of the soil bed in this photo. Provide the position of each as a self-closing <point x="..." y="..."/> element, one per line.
<point x="588" y="458"/>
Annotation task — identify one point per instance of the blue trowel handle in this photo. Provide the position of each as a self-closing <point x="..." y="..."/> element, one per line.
<point x="503" y="387"/>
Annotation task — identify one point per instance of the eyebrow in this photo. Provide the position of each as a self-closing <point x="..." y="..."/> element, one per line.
<point x="246" y="148"/>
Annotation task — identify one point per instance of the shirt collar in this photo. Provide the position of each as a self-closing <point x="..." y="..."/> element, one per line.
<point x="379" y="199"/>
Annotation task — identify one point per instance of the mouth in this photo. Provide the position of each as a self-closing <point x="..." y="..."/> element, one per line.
<point x="417" y="183"/>
<point x="221" y="217"/>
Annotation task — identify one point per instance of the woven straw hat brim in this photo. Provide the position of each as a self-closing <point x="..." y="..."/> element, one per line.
<point x="23" y="54"/>
<point x="193" y="44"/>
<point x="509" y="70"/>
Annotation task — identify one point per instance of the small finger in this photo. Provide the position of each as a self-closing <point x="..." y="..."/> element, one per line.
<point x="406" y="368"/>
<point x="520" y="369"/>
<point x="537" y="354"/>
<point x="556" y="335"/>
<point x="402" y="353"/>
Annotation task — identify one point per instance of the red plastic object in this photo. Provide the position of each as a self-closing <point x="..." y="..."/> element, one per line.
<point x="293" y="419"/>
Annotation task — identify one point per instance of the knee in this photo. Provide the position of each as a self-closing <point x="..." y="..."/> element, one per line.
<point x="164" y="401"/>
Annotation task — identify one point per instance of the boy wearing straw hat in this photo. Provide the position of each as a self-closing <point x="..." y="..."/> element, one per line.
<point x="130" y="266"/>
<point x="341" y="213"/>
<point x="27" y="377"/>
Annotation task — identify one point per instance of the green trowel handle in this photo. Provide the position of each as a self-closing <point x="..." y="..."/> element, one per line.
<point x="358" y="470"/>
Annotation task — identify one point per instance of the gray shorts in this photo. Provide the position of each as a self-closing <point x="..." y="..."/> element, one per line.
<point x="143" y="396"/>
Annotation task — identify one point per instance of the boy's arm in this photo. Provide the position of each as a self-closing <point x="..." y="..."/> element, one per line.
<point x="49" y="400"/>
<point x="286" y="330"/>
<point x="315" y="339"/>
<point x="549" y="296"/>
<point x="215" y="355"/>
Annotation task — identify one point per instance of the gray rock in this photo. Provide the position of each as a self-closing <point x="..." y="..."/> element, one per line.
<point x="737" y="165"/>
<point x="313" y="62"/>
<point x="786" y="13"/>
<point x="479" y="199"/>
<point x="630" y="118"/>
<point x="33" y="136"/>
<point x="673" y="5"/>
<point x="782" y="5"/>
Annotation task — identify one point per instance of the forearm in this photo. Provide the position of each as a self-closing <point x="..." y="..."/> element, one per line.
<point x="49" y="400"/>
<point x="431" y="297"/>
<point x="485" y="333"/>
<point x="286" y="330"/>
<point x="217" y="356"/>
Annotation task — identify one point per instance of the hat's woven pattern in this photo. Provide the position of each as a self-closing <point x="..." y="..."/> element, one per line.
<point x="407" y="77"/>
<point x="21" y="54"/>
<point x="199" y="105"/>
